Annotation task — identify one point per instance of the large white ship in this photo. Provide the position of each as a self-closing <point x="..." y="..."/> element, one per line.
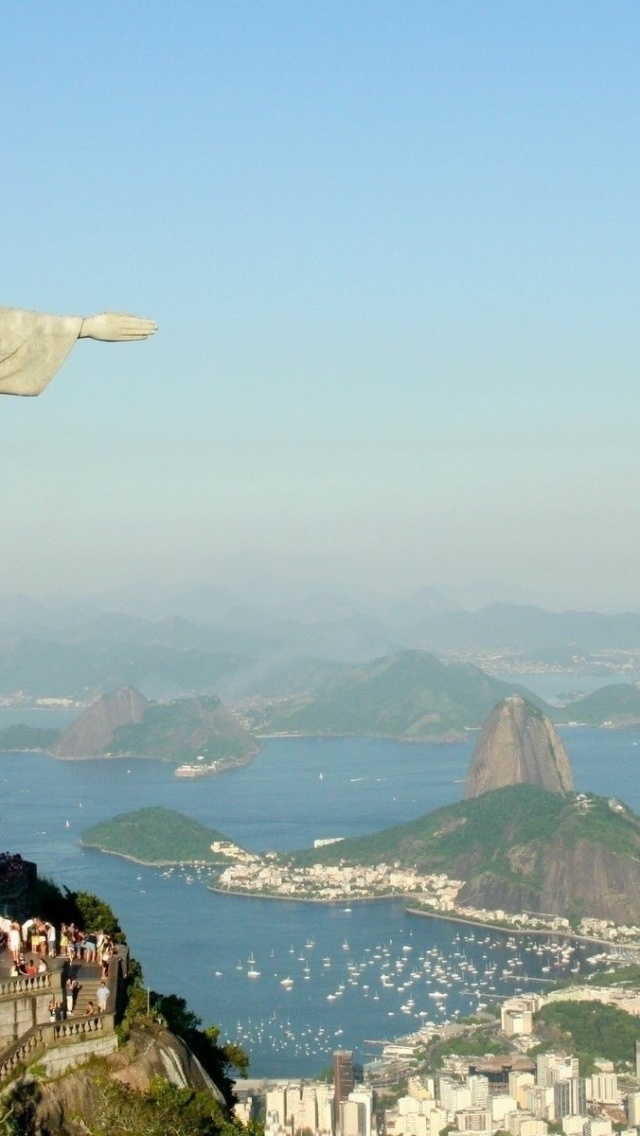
<point x="199" y="769"/>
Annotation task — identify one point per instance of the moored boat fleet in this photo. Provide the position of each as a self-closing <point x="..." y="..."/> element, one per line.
<point x="418" y="985"/>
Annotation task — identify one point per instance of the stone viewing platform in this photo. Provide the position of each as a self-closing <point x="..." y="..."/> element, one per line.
<point x="30" y="1030"/>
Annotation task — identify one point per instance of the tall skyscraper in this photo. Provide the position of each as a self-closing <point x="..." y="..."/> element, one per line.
<point x="343" y="1079"/>
<point x="570" y="1098"/>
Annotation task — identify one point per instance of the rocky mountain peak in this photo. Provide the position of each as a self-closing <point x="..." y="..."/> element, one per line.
<point x="91" y="733"/>
<point x="517" y="743"/>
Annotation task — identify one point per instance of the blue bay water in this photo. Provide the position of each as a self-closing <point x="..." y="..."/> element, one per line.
<point x="196" y="943"/>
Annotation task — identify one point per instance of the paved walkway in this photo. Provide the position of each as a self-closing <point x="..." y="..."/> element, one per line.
<point x="86" y="974"/>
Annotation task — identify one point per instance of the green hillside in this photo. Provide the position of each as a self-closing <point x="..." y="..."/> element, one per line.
<point x="518" y="848"/>
<point x="618" y="705"/>
<point x="154" y="836"/>
<point x="184" y="729"/>
<point x="591" y="1030"/>
<point x="483" y="828"/>
<point x="411" y="696"/>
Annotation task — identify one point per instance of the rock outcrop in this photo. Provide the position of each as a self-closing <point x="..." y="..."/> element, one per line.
<point x="125" y="723"/>
<point x="92" y="732"/>
<point x="62" y="1105"/>
<point x="518" y="744"/>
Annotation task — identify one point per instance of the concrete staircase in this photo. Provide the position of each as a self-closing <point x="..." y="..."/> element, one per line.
<point x="88" y="976"/>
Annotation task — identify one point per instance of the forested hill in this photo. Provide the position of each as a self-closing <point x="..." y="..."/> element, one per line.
<point x="617" y="704"/>
<point x="411" y="696"/>
<point x="518" y="848"/>
<point x="155" y="835"/>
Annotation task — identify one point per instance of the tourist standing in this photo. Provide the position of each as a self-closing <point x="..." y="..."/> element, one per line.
<point x="102" y="995"/>
<point x="71" y="989"/>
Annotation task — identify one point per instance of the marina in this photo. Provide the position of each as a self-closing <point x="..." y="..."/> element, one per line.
<point x="368" y="970"/>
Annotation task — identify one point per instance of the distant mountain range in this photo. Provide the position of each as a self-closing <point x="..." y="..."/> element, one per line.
<point x="209" y="642"/>
<point x="411" y="696"/>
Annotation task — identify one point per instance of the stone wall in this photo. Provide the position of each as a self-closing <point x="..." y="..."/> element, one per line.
<point x="24" y="1003"/>
<point x="97" y="1039"/>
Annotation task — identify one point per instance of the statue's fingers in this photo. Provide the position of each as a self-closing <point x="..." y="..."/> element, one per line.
<point x="142" y="326"/>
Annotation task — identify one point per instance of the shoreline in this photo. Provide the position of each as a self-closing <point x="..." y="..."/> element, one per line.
<point x="235" y="763"/>
<point x="346" y="901"/>
<point x="506" y="929"/>
<point x="145" y="863"/>
<point x="391" y="897"/>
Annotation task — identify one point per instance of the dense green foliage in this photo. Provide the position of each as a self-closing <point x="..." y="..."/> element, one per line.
<point x="485" y="827"/>
<point x="154" y="836"/>
<point x="623" y="976"/>
<point x="184" y="729"/>
<point x="83" y="908"/>
<point x="495" y="833"/>
<point x="592" y="1029"/>
<point x="477" y="1044"/>
<point x="95" y="914"/>
<point x="120" y="1111"/>
<point x="411" y="695"/>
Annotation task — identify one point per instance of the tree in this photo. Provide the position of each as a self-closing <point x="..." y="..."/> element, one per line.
<point x="218" y="1060"/>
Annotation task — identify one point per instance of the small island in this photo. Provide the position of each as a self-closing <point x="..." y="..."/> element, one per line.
<point x="160" y="837"/>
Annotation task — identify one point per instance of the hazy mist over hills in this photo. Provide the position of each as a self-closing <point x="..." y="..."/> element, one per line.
<point x="208" y="640"/>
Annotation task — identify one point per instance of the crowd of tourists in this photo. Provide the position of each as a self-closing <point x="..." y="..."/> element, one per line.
<point x="43" y="940"/>
<point x="33" y="943"/>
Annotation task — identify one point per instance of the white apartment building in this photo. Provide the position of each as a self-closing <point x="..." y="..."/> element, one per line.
<point x="474" y="1120"/>
<point x="479" y="1087"/>
<point x="598" y="1126"/>
<point x="522" y="1123"/>
<point x="633" y="1108"/>
<point x="518" y="1084"/>
<point x="604" y="1088"/>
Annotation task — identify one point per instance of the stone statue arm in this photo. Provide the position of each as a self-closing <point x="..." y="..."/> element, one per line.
<point x="116" y="327"/>
<point x="34" y="346"/>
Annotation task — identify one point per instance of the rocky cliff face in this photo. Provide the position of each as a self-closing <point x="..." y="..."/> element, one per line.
<point x="60" y="1106"/>
<point x="562" y="879"/>
<point x="518" y="744"/>
<point x="91" y="733"/>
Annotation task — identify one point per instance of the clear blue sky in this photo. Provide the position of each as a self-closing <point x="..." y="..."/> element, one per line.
<point x="393" y="252"/>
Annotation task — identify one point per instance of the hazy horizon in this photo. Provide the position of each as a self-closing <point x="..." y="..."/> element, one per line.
<point x="307" y="600"/>
<point x="393" y="255"/>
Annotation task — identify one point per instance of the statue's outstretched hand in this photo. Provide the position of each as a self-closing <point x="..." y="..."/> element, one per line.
<point x="116" y="327"/>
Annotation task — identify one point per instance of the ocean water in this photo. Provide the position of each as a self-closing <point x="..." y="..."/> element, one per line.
<point x="201" y="945"/>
